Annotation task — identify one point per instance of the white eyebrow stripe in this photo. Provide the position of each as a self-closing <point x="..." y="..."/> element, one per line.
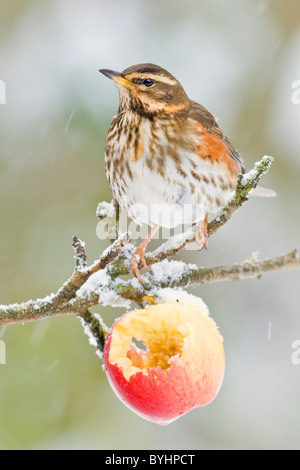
<point x="158" y="78"/>
<point x="161" y="78"/>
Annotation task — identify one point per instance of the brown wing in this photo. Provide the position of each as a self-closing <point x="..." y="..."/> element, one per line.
<point x="200" y="114"/>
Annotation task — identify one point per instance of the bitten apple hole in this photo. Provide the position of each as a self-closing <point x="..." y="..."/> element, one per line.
<point x="140" y="345"/>
<point x="163" y="345"/>
<point x="156" y="349"/>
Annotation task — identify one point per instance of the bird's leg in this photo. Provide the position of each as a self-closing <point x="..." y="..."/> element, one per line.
<point x="139" y="254"/>
<point x="201" y="232"/>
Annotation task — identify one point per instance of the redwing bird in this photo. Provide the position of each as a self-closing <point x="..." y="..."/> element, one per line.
<point x="167" y="160"/>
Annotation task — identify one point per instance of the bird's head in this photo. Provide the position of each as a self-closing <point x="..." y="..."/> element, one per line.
<point x="149" y="90"/>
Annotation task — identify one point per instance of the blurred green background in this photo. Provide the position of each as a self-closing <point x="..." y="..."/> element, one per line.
<point x="240" y="60"/>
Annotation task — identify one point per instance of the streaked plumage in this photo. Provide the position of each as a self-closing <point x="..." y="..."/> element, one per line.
<point x="167" y="160"/>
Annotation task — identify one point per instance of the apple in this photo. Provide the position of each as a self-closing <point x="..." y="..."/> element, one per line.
<point x="166" y="359"/>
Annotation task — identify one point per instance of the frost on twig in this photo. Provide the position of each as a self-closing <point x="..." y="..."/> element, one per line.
<point x="101" y="282"/>
<point x="95" y="328"/>
<point x="109" y="212"/>
<point x="80" y="254"/>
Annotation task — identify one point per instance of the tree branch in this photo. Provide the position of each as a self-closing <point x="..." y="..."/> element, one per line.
<point x="176" y="274"/>
<point x="59" y="303"/>
<point x="166" y="273"/>
<point x="100" y="283"/>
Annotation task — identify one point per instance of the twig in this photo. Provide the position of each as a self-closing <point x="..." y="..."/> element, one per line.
<point x="58" y="304"/>
<point x="95" y="329"/>
<point x="80" y="254"/>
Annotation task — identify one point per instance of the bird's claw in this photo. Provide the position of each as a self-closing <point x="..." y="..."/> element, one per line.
<point x="134" y="264"/>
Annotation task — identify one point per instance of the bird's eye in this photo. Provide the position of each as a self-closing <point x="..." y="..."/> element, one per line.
<point x="148" y="82"/>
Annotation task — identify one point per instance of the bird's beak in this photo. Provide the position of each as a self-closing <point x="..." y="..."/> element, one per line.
<point x="117" y="77"/>
<point x="109" y="73"/>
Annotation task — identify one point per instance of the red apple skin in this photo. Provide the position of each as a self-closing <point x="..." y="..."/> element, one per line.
<point x="164" y="395"/>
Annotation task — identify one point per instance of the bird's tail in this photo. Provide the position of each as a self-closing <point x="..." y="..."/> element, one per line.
<point x="260" y="191"/>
